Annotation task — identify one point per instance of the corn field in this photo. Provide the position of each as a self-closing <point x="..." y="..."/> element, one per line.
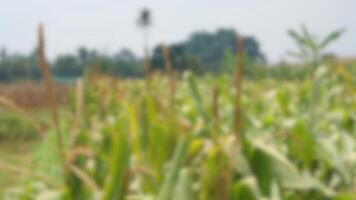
<point x="183" y="137"/>
<point x="124" y="141"/>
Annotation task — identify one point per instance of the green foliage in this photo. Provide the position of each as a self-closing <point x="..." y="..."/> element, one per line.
<point x="170" y="180"/>
<point x="135" y="146"/>
<point x="116" y="187"/>
<point x="15" y="67"/>
<point x="185" y="184"/>
<point x="18" y="67"/>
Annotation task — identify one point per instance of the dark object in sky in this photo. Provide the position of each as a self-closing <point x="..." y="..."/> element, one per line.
<point x="145" y="18"/>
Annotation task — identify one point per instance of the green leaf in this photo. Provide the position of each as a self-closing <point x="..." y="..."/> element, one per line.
<point x="116" y="186"/>
<point x="302" y="143"/>
<point x="298" y="38"/>
<point x="309" y="39"/>
<point x="184" y="188"/>
<point x="193" y="87"/>
<point x="332" y="37"/>
<point x="269" y="165"/>
<point x="170" y="180"/>
<point x="246" y="189"/>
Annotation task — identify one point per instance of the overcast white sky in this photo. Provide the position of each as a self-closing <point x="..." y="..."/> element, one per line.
<point x="109" y="25"/>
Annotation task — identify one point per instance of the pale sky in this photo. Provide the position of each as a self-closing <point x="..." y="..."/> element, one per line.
<point x="109" y="25"/>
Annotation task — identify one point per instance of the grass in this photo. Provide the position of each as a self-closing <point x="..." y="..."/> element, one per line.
<point x="16" y="127"/>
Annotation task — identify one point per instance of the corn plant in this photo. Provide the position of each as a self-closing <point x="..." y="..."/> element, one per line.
<point x="310" y="46"/>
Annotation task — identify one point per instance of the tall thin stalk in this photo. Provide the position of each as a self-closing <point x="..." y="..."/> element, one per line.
<point x="145" y="21"/>
<point x="215" y="112"/>
<point x="169" y="72"/>
<point x="238" y="87"/>
<point x="146" y="68"/>
<point x="214" y="103"/>
<point x="79" y="101"/>
<point x="51" y="95"/>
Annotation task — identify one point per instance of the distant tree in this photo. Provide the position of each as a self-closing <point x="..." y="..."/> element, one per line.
<point x="67" y="66"/>
<point x="310" y="46"/>
<point x="125" y="55"/>
<point x="207" y="50"/>
<point x="86" y="57"/>
<point x="18" y="66"/>
<point x="32" y="60"/>
<point x="105" y="64"/>
<point x="126" y="64"/>
<point x="83" y="54"/>
<point x="202" y="52"/>
<point x="180" y="58"/>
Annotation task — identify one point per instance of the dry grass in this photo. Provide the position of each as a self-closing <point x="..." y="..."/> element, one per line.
<point x="52" y="99"/>
<point x="31" y="95"/>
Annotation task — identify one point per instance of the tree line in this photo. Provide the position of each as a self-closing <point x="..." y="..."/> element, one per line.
<point x="201" y="52"/>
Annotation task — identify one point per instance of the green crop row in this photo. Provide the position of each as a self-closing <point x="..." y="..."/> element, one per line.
<point x="123" y="140"/>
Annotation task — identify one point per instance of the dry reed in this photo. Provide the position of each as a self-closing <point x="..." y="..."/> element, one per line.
<point x="79" y="101"/>
<point x="51" y="95"/>
<point x="214" y="103"/>
<point x="31" y="95"/>
<point x="147" y="70"/>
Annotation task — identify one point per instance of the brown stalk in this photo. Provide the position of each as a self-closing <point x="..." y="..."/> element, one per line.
<point x="215" y="113"/>
<point x="169" y="72"/>
<point x="214" y="103"/>
<point x="147" y="70"/>
<point x="79" y="102"/>
<point x="222" y="184"/>
<point x="85" y="178"/>
<point x="238" y="86"/>
<point x="78" y="151"/>
<point x="51" y="95"/>
<point x="7" y="103"/>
